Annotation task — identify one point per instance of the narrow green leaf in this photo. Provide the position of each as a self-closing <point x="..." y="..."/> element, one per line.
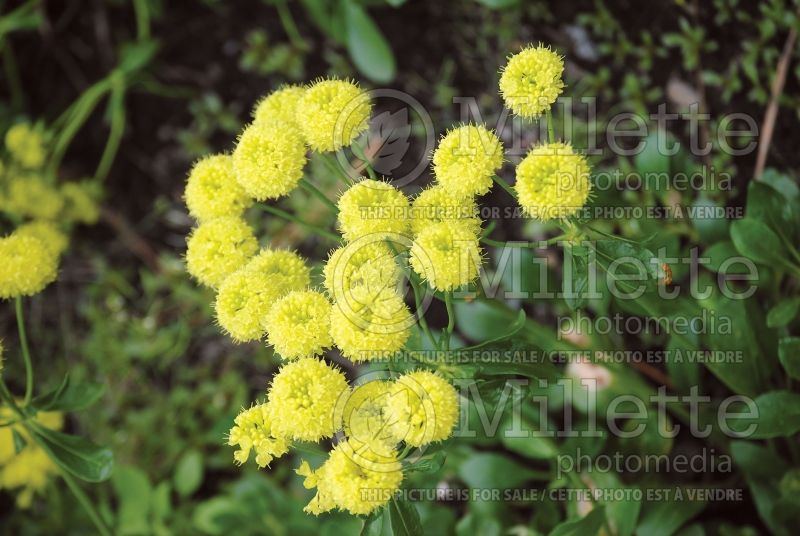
<point x="754" y="239"/>
<point x="591" y="523"/>
<point x="188" y="473"/>
<point x="783" y="312"/>
<point x="778" y="416"/>
<point x="70" y="396"/>
<point x="405" y="518"/>
<point x="789" y="356"/>
<point x="367" y="46"/>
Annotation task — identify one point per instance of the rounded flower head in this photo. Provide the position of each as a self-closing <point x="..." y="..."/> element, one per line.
<point x="364" y="263"/>
<point x="245" y="296"/>
<point x="218" y="248"/>
<point x="269" y="159"/>
<point x="212" y="190"/>
<point x="26" y="145"/>
<point x="280" y="105"/>
<point x="552" y="182"/>
<point x="332" y="113"/>
<point x="531" y="81"/>
<point x="372" y="207"/>
<point x="48" y="234"/>
<point x="352" y="479"/>
<point x="303" y="396"/>
<point x="252" y="431"/>
<point x="437" y="204"/>
<point x="370" y="326"/>
<point x="466" y="159"/>
<point x="447" y="255"/>
<point x="299" y="324"/>
<point x="32" y="197"/>
<point x="27" y="267"/>
<point x="364" y="417"/>
<point x="422" y="408"/>
<point x="80" y="205"/>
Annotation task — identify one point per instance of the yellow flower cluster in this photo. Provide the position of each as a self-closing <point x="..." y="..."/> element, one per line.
<point x="552" y="182"/>
<point x="41" y="211"/>
<point x="531" y="81"/>
<point x="28" y="470"/>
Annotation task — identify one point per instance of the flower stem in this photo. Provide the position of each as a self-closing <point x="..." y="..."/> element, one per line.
<point x="505" y="186"/>
<point x="26" y="354"/>
<point x="294" y="219"/>
<point x="94" y="515"/>
<point x="313" y="190"/>
<point x="551" y="133"/>
<point x="333" y="166"/>
<point x="451" y="319"/>
<point x="359" y="152"/>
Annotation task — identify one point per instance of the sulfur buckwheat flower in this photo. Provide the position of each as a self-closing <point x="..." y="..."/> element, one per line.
<point x="364" y="417"/>
<point x="48" y="234"/>
<point x="280" y="105"/>
<point x="32" y="197"/>
<point x="531" y="81"/>
<point x="299" y="324"/>
<point x="252" y="431"/>
<point x="218" y="248"/>
<point x="26" y="145"/>
<point x="303" y="396"/>
<point x="30" y="469"/>
<point x="28" y="266"/>
<point x="437" y="204"/>
<point x="447" y="255"/>
<point x="364" y="263"/>
<point x="332" y="113"/>
<point x="372" y="207"/>
<point x="246" y="295"/>
<point x="466" y="159"/>
<point x="552" y="182"/>
<point x="370" y="326"/>
<point x="422" y="408"/>
<point x="212" y="190"/>
<point x="269" y="159"/>
<point x="80" y="205"/>
<point x="356" y="480"/>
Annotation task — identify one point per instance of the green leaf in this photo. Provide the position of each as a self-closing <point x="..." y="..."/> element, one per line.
<point x="665" y="517"/>
<point x="754" y="239"/>
<point x="719" y="253"/>
<point x="650" y="161"/>
<point x="591" y="523"/>
<point x="574" y="286"/>
<point x="18" y="440"/>
<point x="405" y="518"/>
<point x="220" y="515"/>
<point x="763" y="471"/>
<point x="513" y="329"/>
<point x="188" y="473"/>
<point x="789" y="356"/>
<point x="710" y="230"/>
<point x="377" y="524"/>
<point x="498" y="4"/>
<point x="133" y="491"/>
<point x="632" y="260"/>
<point x="70" y="396"/>
<point x="77" y="455"/>
<point x="778" y="416"/>
<point x="484" y="470"/>
<point x="367" y="46"/>
<point x="783" y="312"/>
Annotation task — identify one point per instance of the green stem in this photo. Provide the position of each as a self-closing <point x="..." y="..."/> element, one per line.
<point x="536" y="244"/>
<point x="423" y="323"/>
<point x="116" y="106"/>
<point x="551" y="133"/>
<point x="505" y="186"/>
<point x="333" y="166"/>
<point x="294" y="219"/>
<point x="94" y="515"/>
<point x="451" y="319"/>
<point x="26" y="354"/>
<point x="142" y="19"/>
<point x="313" y="190"/>
<point x="289" y="26"/>
<point x="359" y="152"/>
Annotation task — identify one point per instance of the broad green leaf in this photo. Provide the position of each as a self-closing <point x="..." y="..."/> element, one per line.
<point x="367" y="46"/>
<point x="405" y="518"/>
<point x="483" y="470"/>
<point x="718" y="256"/>
<point x="778" y="416"/>
<point x="763" y="471"/>
<point x="710" y="230"/>
<point x="651" y="161"/>
<point x="576" y="276"/>
<point x="512" y="330"/>
<point x="789" y="356"/>
<point x="754" y="239"/>
<point x="77" y="455"/>
<point x="188" y="473"/>
<point x="134" y="493"/>
<point x="665" y="517"/>
<point x="219" y="515"/>
<point x="70" y="396"/>
<point x="591" y="523"/>
<point x="783" y="312"/>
